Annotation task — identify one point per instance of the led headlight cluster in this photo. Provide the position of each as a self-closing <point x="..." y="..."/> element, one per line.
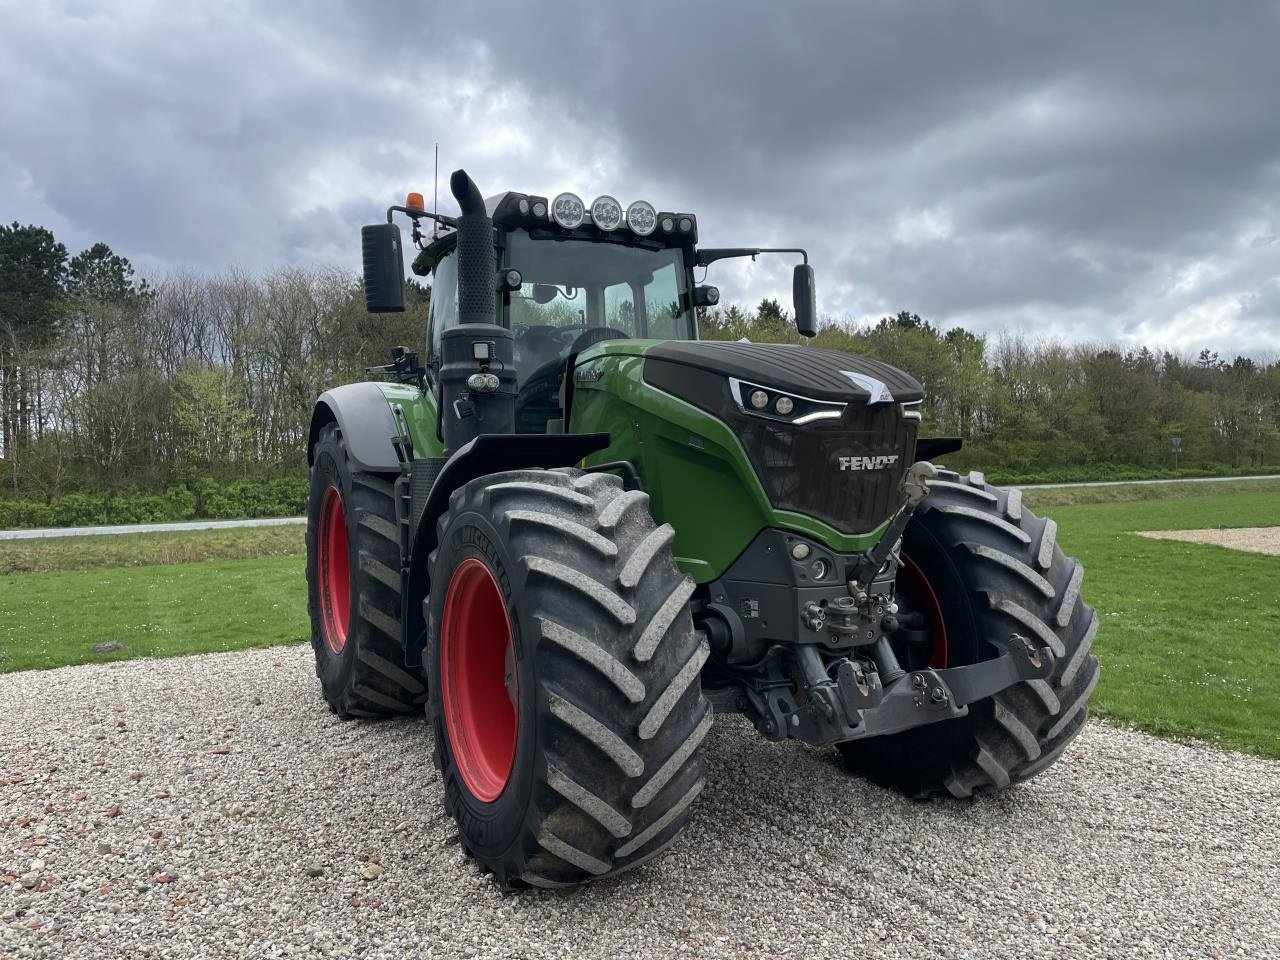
<point x="764" y="401"/>
<point x="640" y="217"/>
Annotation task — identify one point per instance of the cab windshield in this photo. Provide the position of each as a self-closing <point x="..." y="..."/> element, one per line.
<point x="574" y="290"/>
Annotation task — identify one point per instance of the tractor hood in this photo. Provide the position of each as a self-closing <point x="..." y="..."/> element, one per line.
<point x="839" y="449"/>
<point x="803" y="371"/>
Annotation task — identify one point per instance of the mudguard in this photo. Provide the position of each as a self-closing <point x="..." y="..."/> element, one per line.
<point x="364" y="417"/>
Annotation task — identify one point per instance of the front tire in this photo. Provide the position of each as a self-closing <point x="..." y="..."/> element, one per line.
<point x="566" y="703"/>
<point x="987" y="567"/>
<point x="353" y="587"/>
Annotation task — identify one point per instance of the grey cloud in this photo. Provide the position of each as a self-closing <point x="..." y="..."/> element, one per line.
<point x="1055" y="166"/>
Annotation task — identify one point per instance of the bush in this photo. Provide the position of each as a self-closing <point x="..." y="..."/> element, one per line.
<point x="24" y="513"/>
<point x="204" y="499"/>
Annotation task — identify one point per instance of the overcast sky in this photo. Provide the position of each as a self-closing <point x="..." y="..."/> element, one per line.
<point x="1073" y="170"/>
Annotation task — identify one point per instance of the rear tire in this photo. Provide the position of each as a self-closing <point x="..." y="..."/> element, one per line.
<point x="995" y="569"/>
<point x="353" y="587"/>
<point x="584" y="757"/>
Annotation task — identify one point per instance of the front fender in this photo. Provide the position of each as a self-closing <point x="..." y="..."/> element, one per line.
<point x="487" y="453"/>
<point x="364" y="417"/>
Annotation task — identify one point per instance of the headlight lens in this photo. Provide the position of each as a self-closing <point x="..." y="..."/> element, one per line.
<point x="606" y="213"/>
<point x="642" y="218"/>
<point x="784" y="405"/>
<point x="759" y="399"/>
<point x="568" y="210"/>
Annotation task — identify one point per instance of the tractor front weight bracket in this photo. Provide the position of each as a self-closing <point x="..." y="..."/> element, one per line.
<point x="855" y="704"/>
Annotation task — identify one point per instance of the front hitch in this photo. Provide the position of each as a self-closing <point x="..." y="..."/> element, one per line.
<point x="928" y="696"/>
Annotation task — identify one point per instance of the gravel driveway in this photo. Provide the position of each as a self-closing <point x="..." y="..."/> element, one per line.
<point x="212" y="806"/>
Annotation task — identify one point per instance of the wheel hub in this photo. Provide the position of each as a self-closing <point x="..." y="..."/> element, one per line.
<point x="916" y="593"/>
<point x="479" y="689"/>
<point x="334" y="570"/>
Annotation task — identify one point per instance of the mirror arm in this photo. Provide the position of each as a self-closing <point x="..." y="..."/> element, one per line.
<point x="709" y="255"/>
<point x="440" y="218"/>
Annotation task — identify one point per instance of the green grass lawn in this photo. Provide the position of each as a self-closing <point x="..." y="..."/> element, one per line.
<point x="54" y="619"/>
<point x="1189" y="638"/>
<point x="143" y="549"/>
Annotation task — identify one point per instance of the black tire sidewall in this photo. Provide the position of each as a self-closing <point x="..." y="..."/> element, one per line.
<point x="491" y="829"/>
<point x="330" y="468"/>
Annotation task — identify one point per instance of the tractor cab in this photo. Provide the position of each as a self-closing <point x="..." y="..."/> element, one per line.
<point x="565" y="285"/>
<point x="521" y="285"/>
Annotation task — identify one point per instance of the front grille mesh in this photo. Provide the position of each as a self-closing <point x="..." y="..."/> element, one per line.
<point x="800" y="467"/>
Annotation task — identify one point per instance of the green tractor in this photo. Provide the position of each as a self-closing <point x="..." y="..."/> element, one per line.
<point x="575" y="533"/>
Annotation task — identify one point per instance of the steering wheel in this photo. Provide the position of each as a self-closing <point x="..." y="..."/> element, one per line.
<point x="570" y="328"/>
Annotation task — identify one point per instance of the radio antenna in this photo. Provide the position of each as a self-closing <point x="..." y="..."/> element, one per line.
<point x="435" y="192"/>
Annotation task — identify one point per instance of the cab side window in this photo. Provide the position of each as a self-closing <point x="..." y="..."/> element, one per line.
<point x="663" y="307"/>
<point x="444" y="301"/>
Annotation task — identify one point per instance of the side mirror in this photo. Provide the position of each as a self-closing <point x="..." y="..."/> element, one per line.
<point x="803" y="300"/>
<point x="706" y="295"/>
<point x="383" y="268"/>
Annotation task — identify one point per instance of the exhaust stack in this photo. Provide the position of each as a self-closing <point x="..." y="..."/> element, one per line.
<point x="477" y="359"/>
<point x="475" y="252"/>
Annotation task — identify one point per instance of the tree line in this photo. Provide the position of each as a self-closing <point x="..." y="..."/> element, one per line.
<point x="112" y="383"/>
<point x="1031" y="409"/>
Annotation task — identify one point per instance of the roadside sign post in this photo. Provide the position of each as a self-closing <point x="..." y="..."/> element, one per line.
<point x="1177" y="449"/>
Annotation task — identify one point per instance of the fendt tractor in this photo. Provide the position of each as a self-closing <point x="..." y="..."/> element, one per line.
<point x="574" y="533"/>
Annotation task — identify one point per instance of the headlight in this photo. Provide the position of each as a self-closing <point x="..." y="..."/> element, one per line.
<point x="606" y="213"/>
<point x="568" y="211"/>
<point x="760" y="400"/>
<point x="642" y="218"/>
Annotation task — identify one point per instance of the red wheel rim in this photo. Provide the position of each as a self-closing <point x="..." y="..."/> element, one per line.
<point x="334" y="570"/>
<point x="478" y="688"/>
<point x="919" y="594"/>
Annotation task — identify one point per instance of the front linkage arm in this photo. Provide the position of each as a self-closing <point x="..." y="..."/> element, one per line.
<point x="928" y="696"/>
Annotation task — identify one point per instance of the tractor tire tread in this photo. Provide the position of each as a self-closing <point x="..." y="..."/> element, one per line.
<point x="618" y="667"/>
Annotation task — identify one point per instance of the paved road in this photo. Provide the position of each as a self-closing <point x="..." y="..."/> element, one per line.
<point x="285" y="521"/>
<point x="148" y="528"/>
<point x="211" y="806"/>
<point x="1143" y="483"/>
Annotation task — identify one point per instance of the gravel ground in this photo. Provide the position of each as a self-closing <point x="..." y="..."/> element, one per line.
<point x="212" y="806"/>
<point x="1253" y="539"/>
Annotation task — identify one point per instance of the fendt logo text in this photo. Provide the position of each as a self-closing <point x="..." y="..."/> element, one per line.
<point x="867" y="463"/>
